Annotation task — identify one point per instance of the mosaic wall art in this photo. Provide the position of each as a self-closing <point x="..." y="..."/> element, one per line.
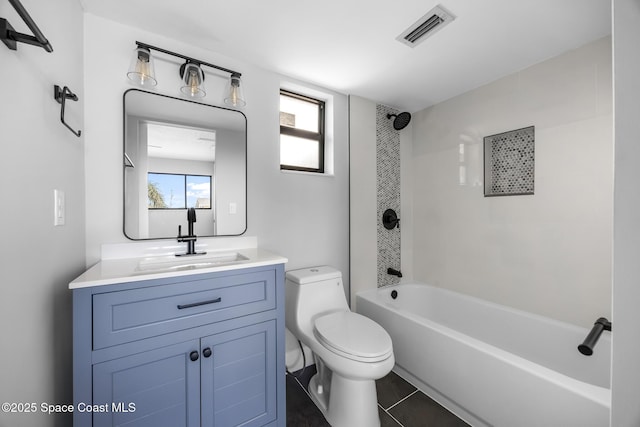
<point x="388" y="193"/>
<point x="509" y="163"/>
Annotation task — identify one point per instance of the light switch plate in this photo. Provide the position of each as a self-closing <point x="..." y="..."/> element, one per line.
<point x="58" y="207"/>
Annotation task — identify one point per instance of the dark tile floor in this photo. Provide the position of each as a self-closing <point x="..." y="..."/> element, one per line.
<point x="400" y="404"/>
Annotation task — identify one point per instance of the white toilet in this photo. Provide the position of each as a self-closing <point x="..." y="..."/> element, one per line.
<point x="351" y="351"/>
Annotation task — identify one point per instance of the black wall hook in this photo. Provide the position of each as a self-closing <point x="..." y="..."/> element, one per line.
<point x="61" y="95"/>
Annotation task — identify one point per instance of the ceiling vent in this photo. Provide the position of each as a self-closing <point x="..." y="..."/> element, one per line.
<point x="436" y="19"/>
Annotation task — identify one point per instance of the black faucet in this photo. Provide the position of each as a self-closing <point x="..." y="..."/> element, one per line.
<point x="602" y="324"/>
<point x="394" y="272"/>
<point x="189" y="238"/>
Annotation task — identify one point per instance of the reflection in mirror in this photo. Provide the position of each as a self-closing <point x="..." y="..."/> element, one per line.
<point x="180" y="154"/>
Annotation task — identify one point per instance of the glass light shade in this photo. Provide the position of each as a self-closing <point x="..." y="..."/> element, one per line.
<point x="193" y="79"/>
<point x="142" y="71"/>
<point x="234" y="95"/>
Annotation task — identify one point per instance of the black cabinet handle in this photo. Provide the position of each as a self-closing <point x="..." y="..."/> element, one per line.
<point x="196" y="304"/>
<point x="206" y="352"/>
<point x="193" y="356"/>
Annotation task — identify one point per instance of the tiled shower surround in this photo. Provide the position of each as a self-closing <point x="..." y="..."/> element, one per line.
<point x="388" y="193"/>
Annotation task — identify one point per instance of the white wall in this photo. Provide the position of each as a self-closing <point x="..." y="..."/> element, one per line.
<point x="38" y="260"/>
<point x="549" y="253"/>
<point x="406" y="203"/>
<point x="364" y="206"/>
<point x="300" y="216"/>
<point x="625" y="382"/>
<point x="229" y="187"/>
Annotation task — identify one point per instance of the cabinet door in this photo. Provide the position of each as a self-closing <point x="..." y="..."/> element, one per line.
<point x="163" y="384"/>
<point x="238" y="379"/>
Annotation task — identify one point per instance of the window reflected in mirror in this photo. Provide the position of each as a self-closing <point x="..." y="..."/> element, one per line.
<point x="177" y="191"/>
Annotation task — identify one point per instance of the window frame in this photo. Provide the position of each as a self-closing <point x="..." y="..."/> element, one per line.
<point x="305" y="134"/>
<point x="185" y="176"/>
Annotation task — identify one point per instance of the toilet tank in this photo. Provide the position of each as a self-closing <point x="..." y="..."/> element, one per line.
<point x="310" y="292"/>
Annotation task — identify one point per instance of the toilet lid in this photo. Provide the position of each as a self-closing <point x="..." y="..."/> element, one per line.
<point x="353" y="336"/>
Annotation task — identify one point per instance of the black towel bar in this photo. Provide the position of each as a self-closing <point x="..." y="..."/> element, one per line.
<point x="10" y="37"/>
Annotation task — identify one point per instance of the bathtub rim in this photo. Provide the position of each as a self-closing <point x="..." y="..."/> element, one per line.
<point x="468" y="297"/>
<point x="598" y="394"/>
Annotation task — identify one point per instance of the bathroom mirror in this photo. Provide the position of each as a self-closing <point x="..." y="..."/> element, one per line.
<point x="180" y="154"/>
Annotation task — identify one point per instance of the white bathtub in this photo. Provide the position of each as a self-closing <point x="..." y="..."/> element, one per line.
<point x="493" y="365"/>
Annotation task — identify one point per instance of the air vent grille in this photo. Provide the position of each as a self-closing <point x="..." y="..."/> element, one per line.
<point x="429" y="24"/>
<point x="424" y="28"/>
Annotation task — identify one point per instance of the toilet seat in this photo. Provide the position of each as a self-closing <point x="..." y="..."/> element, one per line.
<point x="353" y="336"/>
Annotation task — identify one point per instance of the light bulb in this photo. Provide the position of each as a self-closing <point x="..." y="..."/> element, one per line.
<point x="233" y="96"/>
<point x="142" y="68"/>
<point x="193" y="82"/>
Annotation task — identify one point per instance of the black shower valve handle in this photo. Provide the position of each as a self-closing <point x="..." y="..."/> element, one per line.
<point x="390" y="219"/>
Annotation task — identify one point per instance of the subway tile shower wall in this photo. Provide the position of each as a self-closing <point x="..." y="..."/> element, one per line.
<point x="388" y="193"/>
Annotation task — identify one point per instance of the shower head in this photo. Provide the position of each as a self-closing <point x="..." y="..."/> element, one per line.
<point x="401" y="120"/>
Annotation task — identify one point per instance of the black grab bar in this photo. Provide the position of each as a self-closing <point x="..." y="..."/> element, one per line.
<point x="602" y="324"/>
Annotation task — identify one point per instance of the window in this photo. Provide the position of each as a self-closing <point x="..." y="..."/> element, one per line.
<point x="301" y="133"/>
<point x="176" y="191"/>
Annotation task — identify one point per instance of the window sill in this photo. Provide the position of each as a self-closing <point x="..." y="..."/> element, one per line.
<point x="292" y="172"/>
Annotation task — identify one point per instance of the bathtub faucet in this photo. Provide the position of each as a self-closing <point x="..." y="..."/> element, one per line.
<point x="394" y="272"/>
<point x="602" y="324"/>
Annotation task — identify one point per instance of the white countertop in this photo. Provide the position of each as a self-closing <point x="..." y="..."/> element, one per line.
<point x="121" y="270"/>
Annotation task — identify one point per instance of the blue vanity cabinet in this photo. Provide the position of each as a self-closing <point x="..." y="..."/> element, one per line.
<point x="197" y="350"/>
<point x="159" y="387"/>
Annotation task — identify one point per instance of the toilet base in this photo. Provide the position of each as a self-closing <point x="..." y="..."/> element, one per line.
<point x="345" y="402"/>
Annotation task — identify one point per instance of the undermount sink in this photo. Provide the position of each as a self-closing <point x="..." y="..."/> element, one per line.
<point x="173" y="263"/>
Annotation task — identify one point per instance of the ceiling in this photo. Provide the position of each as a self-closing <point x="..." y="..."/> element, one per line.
<point x="176" y="142"/>
<point x="350" y="45"/>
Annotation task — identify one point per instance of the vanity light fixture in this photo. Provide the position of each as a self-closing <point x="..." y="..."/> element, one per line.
<point x="142" y="73"/>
